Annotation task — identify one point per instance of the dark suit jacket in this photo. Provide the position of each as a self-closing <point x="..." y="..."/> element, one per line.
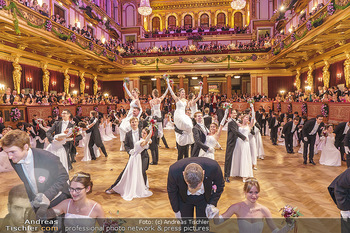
<point x="339" y="130"/>
<point x="287" y="128"/>
<point x="47" y="167"/>
<point x="220" y="113"/>
<point x="347" y="139"/>
<point x="56" y="129"/>
<point x="339" y="190"/>
<point x="177" y="188"/>
<point x="232" y="135"/>
<point x="199" y="140"/>
<point x="129" y="143"/>
<point x="11" y="98"/>
<point x="309" y="125"/>
<point x="207" y="121"/>
<point x="95" y="133"/>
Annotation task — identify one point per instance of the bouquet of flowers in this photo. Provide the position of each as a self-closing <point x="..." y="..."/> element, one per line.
<point x="227" y="106"/>
<point x="303" y="109"/>
<point x="153" y="123"/>
<point x="250" y="101"/>
<point x="15" y="114"/>
<point x="113" y="225"/>
<point x="289" y="108"/>
<point x="126" y="80"/>
<point x="2" y="4"/>
<point x="48" y="25"/>
<point x="73" y="133"/>
<point x="325" y="133"/>
<point x="278" y="106"/>
<point x="73" y="37"/>
<point x="95" y="108"/>
<point x="55" y="112"/>
<point x="325" y="110"/>
<point x="330" y="8"/>
<point x="79" y="111"/>
<point x="171" y="82"/>
<point x="200" y="83"/>
<point x="290" y="213"/>
<point x="166" y="76"/>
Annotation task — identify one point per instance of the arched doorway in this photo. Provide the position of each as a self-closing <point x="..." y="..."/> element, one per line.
<point x="188" y="21"/>
<point x="171" y="22"/>
<point x="238" y="19"/>
<point x="221" y="20"/>
<point x="155" y="24"/>
<point x="204" y="20"/>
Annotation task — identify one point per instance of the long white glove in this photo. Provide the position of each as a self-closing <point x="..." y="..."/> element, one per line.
<point x="225" y="117"/>
<point x="211" y="211"/>
<point x="346" y="149"/>
<point x="127" y="90"/>
<point x="40" y="200"/>
<point x="132" y="152"/>
<point x="211" y="150"/>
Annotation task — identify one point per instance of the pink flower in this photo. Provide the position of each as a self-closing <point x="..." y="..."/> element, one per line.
<point x="214" y="187"/>
<point x="41" y="179"/>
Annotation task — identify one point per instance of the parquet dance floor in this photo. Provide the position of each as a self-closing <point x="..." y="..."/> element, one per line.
<point x="283" y="180"/>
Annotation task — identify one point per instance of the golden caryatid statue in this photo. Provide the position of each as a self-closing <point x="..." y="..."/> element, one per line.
<point x="46" y="78"/>
<point x="16" y="75"/>
<point x="82" y="82"/>
<point x="297" y="79"/>
<point x="347" y="70"/>
<point x="66" y="81"/>
<point x="310" y="78"/>
<point x="326" y="75"/>
<point x="95" y="84"/>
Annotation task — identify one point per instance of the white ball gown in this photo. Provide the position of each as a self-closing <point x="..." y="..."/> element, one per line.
<point x="242" y="159"/>
<point x="169" y="124"/>
<point x="132" y="184"/>
<point x="259" y="143"/>
<point x="181" y="120"/>
<point x="210" y="142"/>
<point x="56" y="148"/>
<point x="253" y="148"/>
<point x="156" y="112"/>
<point x="246" y="226"/>
<point x="330" y="155"/>
<point x="124" y="126"/>
<point x="87" y="155"/>
<point x="109" y="130"/>
<point x="104" y="137"/>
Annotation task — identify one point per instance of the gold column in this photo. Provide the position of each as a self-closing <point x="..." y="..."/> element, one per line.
<point x="229" y="85"/>
<point x="297" y="79"/>
<point x="163" y="25"/>
<point x="159" y="84"/>
<point x="82" y="82"/>
<point x="347" y="69"/>
<point x="326" y="75"/>
<point x="16" y="74"/>
<point x="181" y="77"/>
<point x="310" y="78"/>
<point x="46" y="78"/>
<point x="95" y="84"/>
<point x="66" y="81"/>
<point x="205" y="83"/>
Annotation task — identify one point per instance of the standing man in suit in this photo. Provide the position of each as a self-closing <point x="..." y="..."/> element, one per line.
<point x="340" y="132"/>
<point x="274" y="124"/>
<point x="95" y="138"/>
<point x="60" y="127"/>
<point x="200" y="104"/>
<point x="207" y="118"/>
<point x="346" y="143"/>
<point x="22" y="95"/>
<point x="288" y="131"/>
<point x="42" y="173"/>
<point x="8" y="97"/>
<point x="38" y="132"/>
<point x="220" y="113"/>
<point x="339" y="190"/>
<point x="131" y="138"/>
<point x="308" y="132"/>
<point x="153" y="146"/>
<point x="232" y="135"/>
<point x="194" y="182"/>
<point x="200" y="133"/>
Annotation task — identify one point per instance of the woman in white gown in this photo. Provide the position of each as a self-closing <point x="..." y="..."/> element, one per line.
<point x="250" y="214"/>
<point x="181" y="120"/>
<point x="192" y="103"/>
<point x="56" y="148"/>
<point x="109" y="130"/>
<point x="330" y="155"/>
<point x="253" y="147"/>
<point x="124" y="126"/>
<point x="102" y="128"/>
<point x="169" y="124"/>
<point x="131" y="184"/>
<point x="259" y="143"/>
<point x="213" y="137"/>
<point x="242" y="165"/>
<point x="86" y="139"/>
<point x="155" y="108"/>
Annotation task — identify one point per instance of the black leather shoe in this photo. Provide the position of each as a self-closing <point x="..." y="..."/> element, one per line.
<point x="106" y="156"/>
<point x="153" y="163"/>
<point x="73" y="161"/>
<point x="167" y="147"/>
<point x="312" y="162"/>
<point x="227" y="180"/>
<point x="93" y="159"/>
<point x="304" y="162"/>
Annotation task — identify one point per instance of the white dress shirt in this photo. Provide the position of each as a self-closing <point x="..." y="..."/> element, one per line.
<point x="135" y="135"/>
<point x="204" y="129"/>
<point x="293" y="128"/>
<point x="314" y="130"/>
<point x="199" y="191"/>
<point x="64" y="126"/>
<point x="28" y="169"/>
<point x="346" y="128"/>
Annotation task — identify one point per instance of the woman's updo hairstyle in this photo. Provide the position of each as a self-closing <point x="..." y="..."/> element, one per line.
<point x="136" y="90"/>
<point x="84" y="179"/>
<point x="249" y="183"/>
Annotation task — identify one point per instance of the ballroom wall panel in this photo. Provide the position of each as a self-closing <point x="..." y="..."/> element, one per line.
<point x="6" y="70"/>
<point x="276" y="84"/>
<point x="114" y="88"/>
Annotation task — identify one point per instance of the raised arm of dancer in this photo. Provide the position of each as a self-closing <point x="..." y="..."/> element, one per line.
<point x="199" y="94"/>
<point x="128" y="92"/>
<point x="222" y="123"/>
<point x="171" y="91"/>
<point x="163" y="96"/>
<point x="233" y="209"/>
<point x="252" y="121"/>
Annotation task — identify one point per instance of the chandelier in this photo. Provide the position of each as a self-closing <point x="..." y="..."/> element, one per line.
<point x="238" y="4"/>
<point x="145" y="8"/>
